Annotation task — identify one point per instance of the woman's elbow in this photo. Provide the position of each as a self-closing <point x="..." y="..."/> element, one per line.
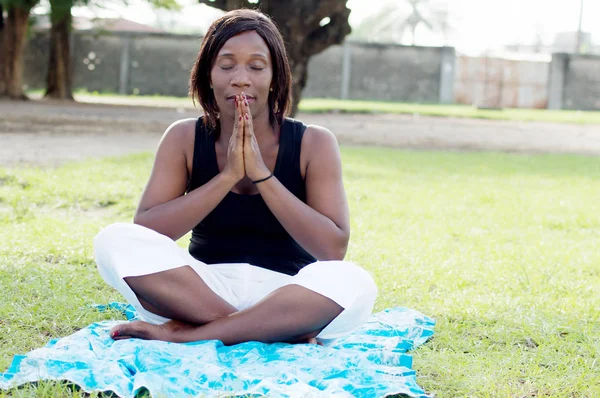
<point x="139" y="219"/>
<point x="144" y="221"/>
<point x="333" y="256"/>
<point x="335" y="251"/>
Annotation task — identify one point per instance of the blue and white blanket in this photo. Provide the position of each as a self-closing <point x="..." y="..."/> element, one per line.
<point x="371" y="362"/>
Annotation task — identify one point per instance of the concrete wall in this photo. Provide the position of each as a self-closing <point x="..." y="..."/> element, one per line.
<point x="35" y="62"/>
<point x="149" y="75"/>
<point x="148" y="64"/>
<point x="490" y="82"/>
<point x="325" y="74"/>
<point x="377" y="72"/>
<point x="143" y="64"/>
<point x="574" y="82"/>
<point x="96" y="61"/>
<point x="160" y="64"/>
<point x="582" y="82"/>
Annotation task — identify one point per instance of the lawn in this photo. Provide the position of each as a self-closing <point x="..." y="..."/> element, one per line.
<point x="321" y="105"/>
<point x="461" y="111"/>
<point x="501" y="249"/>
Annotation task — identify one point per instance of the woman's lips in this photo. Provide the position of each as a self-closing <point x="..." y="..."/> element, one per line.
<point x="249" y="99"/>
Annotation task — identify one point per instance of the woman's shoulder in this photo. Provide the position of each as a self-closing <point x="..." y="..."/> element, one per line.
<point x="182" y="128"/>
<point x="318" y="142"/>
<point x="315" y="136"/>
<point x="312" y="131"/>
<point x="181" y="132"/>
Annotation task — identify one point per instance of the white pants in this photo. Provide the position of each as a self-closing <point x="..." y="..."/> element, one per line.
<point x="123" y="250"/>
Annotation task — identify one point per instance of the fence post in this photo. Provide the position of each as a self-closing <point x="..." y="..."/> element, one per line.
<point x="556" y="80"/>
<point x="124" y="67"/>
<point x="72" y="58"/>
<point x="447" y="72"/>
<point x="345" y="86"/>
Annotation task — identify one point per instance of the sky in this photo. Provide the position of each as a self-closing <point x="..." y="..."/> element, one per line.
<point x="478" y="25"/>
<point x="484" y="24"/>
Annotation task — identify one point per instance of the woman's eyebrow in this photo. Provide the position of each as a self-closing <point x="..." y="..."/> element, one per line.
<point x="230" y="55"/>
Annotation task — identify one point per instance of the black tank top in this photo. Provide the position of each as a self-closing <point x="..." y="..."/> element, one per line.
<point x="242" y="229"/>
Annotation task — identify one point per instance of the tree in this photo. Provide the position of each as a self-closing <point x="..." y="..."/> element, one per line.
<point x="393" y="22"/>
<point x="308" y="27"/>
<point x="13" y="35"/>
<point x="60" y="70"/>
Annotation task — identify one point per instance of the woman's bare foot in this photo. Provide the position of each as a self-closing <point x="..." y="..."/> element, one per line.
<point x="313" y="340"/>
<point x="143" y="330"/>
<point x="169" y="331"/>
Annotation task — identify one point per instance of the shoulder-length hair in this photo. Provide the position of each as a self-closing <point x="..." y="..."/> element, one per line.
<point x="224" y="28"/>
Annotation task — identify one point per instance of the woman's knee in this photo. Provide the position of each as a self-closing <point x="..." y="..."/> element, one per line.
<point x="349" y="285"/>
<point x="117" y="240"/>
<point x="360" y="280"/>
<point x="127" y="235"/>
<point x="110" y="235"/>
<point x="343" y="278"/>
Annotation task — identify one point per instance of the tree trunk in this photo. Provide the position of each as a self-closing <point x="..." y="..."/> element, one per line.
<point x="59" y="76"/>
<point x="299" y="66"/>
<point x="299" y="23"/>
<point x="13" y="39"/>
<point x="2" y="55"/>
<point x="303" y="41"/>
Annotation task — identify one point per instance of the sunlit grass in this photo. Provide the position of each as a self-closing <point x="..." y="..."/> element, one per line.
<point x="501" y="249"/>
<point x="461" y="111"/>
<point x="322" y="105"/>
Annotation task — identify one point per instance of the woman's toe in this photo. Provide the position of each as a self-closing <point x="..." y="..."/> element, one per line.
<point x="136" y="329"/>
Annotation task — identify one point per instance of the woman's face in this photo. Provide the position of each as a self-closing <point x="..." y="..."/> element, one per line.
<point x="242" y="65"/>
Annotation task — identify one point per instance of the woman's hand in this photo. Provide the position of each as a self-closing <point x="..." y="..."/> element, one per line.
<point x="235" y="151"/>
<point x="253" y="161"/>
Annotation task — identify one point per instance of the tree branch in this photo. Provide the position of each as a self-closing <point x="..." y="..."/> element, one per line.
<point x="332" y="33"/>
<point x="220" y="4"/>
<point x="313" y="16"/>
<point x="227" y="5"/>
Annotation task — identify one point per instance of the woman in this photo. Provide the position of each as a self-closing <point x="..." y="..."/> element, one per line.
<point x="264" y="198"/>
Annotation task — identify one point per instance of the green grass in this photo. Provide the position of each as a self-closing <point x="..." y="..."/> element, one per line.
<point x="501" y="249"/>
<point x="461" y="111"/>
<point x="322" y="105"/>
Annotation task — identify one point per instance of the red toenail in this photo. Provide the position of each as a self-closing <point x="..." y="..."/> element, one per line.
<point x="115" y="334"/>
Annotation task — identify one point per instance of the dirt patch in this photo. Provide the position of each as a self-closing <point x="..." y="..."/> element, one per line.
<point x="50" y="133"/>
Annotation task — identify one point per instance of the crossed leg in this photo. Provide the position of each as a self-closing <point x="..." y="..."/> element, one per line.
<point x="291" y="313"/>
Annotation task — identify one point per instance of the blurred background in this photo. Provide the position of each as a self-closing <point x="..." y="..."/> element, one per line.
<point x="470" y="138"/>
<point x="485" y="53"/>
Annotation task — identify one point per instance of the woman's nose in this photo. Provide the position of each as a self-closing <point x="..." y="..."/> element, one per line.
<point x="240" y="78"/>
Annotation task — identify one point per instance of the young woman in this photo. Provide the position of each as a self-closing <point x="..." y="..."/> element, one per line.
<point x="264" y="198"/>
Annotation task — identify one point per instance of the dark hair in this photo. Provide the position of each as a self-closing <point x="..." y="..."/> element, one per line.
<point x="224" y="28"/>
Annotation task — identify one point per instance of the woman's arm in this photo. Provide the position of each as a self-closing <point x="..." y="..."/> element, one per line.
<point x="321" y="225"/>
<point x="164" y="207"/>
